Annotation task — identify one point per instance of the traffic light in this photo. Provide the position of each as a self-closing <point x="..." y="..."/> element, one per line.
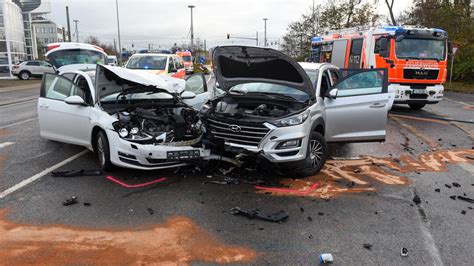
<point x="228" y="36"/>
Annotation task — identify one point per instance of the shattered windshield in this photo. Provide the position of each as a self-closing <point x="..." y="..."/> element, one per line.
<point x="421" y="49"/>
<point x="269" y="88"/>
<point x="151" y="62"/>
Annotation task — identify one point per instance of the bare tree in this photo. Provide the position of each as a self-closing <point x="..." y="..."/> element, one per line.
<point x="390" y="4"/>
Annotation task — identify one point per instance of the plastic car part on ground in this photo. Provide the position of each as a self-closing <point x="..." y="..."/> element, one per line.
<point x="276" y="217"/>
<point x="76" y="173"/>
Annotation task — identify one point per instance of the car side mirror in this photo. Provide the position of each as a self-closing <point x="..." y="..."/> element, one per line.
<point x="75" y="100"/>
<point x="332" y="94"/>
<point x="188" y="95"/>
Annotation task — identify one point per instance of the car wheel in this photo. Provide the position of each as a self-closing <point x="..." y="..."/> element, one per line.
<point x="416" y="106"/>
<point x="103" y="151"/>
<point x="316" y="155"/>
<point x="24" y="75"/>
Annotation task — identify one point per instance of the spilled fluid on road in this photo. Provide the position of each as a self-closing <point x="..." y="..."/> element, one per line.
<point x="356" y="176"/>
<point x="178" y="241"/>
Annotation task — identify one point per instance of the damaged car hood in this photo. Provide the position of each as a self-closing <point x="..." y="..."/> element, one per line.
<point x="112" y="79"/>
<point x="236" y="65"/>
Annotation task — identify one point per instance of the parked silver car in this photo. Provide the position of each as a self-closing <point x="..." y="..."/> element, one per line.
<point x="27" y="69"/>
<point x="274" y="109"/>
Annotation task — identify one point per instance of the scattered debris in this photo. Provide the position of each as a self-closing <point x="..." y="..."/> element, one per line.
<point x="326" y="258"/>
<point x="446" y="185"/>
<point x="453" y="197"/>
<point x="310" y="218"/>
<point x="404" y="252"/>
<point x="416" y="199"/>
<point x="466" y="199"/>
<point x="123" y="184"/>
<point x="368" y="246"/>
<point x="76" y="173"/>
<point x="88" y="204"/>
<point x="463" y="212"/>
<point x="71" y="201"/>
<point x="277" y="217"/>
<point x="320" y="213"/>
<point x="301" y="209"/>
<point x="226" y="172"/>
<point x="150" y="211"/>
<point x="456" y="184"/>
<point x="310" y="236"/>
<point x="438" y="190"/>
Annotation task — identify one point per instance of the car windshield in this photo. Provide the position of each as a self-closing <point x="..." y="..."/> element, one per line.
<point x="268" y="88"/>
<point x="75" y="56"/>
<point x="421" y="49"/>
<point x="112" y="98"/>
<point x="152" y="62"/>
<point x="313" y="76"/>
<point x="186" y="58"/>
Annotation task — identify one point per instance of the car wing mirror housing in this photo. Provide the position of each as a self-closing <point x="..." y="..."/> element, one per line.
<point x="75" y="100"/>
<point x="332" y="94"/>
<point x="187" y="95"/>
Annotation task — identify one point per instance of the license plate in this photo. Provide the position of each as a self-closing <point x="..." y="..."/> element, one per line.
<point x="418" y="91"/>
<point x="183" y="155"/>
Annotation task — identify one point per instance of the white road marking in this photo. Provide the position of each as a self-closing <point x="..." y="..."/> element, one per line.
<point x="40" y="174"/>
<point x="18" y="123"/>
<point x="5" y="144"/>
<point x="462" y="103"/>
<point x="468" y="167"/>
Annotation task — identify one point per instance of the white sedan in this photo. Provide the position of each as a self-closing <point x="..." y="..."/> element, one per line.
<point x="130" y="119"/>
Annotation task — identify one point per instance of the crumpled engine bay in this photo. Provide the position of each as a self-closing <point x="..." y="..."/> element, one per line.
<point x="159" y="125"/>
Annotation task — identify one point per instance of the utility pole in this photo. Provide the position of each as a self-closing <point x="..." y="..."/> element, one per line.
<point x="115" y="46"/>
<point x="118" y="30"/>
<point x="68" y="24"/>
<point x="265" y="35"/>
<point x="192" y="26"/>
<point x="256" y="37"/>
<point x="77" y="30"/>
<point x="64" y="34"/>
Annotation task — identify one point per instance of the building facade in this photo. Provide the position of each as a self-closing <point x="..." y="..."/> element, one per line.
<point x="15" y="33"/>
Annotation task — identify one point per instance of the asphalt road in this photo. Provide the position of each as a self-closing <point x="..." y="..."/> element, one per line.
<point x="363" y="196"/>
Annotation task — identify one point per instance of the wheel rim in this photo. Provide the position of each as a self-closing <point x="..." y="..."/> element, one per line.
<point x="316" y="149"/>
<point x="25" y="76"/>
<point x="100" y="150"/>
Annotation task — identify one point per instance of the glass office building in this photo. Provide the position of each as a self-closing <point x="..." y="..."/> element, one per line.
<point x="13" y="46"/>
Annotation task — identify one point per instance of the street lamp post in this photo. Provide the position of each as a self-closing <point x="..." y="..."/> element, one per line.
<point x="265" y="35"/>
<point x="118" y="30"/>
<point x="192" y="26"/>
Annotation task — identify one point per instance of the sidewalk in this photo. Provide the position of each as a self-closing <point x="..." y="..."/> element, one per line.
<point x="21" y="87"/>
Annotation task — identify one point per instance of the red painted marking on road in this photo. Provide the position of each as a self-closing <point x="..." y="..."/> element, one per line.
<point x="291" y="191"/>
<point x="123" y="184"/>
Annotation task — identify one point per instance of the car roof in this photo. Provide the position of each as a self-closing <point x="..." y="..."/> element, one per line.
<point x="315" y="66"/>
<point x="152" y="54"/>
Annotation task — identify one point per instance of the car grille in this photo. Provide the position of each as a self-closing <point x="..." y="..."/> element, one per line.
<point x="420" y="73"/>
<point x="249" y="133"/>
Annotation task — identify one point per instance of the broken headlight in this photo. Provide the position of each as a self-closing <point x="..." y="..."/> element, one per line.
<point x="131" y="134"/>
<point x="292" y="120"/>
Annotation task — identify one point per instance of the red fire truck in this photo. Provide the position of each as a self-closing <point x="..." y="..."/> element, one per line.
<point x="416" y="58"/>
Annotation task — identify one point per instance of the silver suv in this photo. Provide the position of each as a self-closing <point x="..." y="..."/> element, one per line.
<point x="286" y="112"/>
<point x="27" y="69"/>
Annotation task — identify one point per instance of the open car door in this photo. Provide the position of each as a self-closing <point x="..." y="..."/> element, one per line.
<point x="356" y="108"/>
<point x="196" y="93"/>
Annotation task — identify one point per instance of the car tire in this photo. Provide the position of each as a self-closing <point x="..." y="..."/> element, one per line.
<point x="416" y="106"/>
<point x="24" y="75"/>
<point x="316" y="155"/>
<point x="103" y="151"/>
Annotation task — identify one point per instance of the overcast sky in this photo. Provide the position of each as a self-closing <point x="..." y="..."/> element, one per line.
<point x="164" y="22"/>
